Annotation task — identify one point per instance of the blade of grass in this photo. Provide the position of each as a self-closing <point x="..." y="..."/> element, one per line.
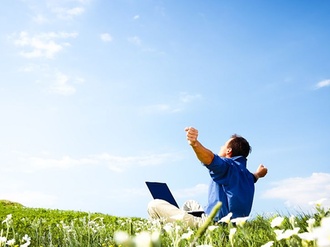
<point x="201" y="230"/>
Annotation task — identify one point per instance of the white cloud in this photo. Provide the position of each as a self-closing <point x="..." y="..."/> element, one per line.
<point x="174" y="107"/>
<point x="126" y="194"/>
<point x="68" y="13"/>
<point x="298" y="192"/>
<point x="67" y="10"/>
<point x="135" y="40"/>
<point x="61" y="84"/>
<point x="40" y="19"/>
<point x="55" y="81"/>
<point x="122" y="163"/>
<point x="136" y="17"/>
<point x="66" y="162"/>
<point x="321" y="84"/>
<point x="112" y="162"/>
<point x="43" y="44"/>
<point x="106" y="37"/>
<point x="44" y="11"/>
<point x="187" y="98"/>
<point x="161" y="108"/>
<point x="199" y="189"/>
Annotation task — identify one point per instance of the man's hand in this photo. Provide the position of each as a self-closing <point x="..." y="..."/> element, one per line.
<point x="192" y="135"/>
<point x="261" y="171"/>
<point x="203" y="154"/>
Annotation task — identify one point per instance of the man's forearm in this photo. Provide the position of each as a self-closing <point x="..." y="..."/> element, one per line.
<point x="203" y="154"/>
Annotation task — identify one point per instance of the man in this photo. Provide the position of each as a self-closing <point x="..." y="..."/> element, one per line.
<point x="231" y="182"/>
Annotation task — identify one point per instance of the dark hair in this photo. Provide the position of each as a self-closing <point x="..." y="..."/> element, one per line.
<point x="239" y="146"/>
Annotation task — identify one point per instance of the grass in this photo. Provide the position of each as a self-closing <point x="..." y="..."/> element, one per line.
<point x="22" y="226"/>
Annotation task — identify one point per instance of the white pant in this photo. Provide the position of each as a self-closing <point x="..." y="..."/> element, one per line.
<point x="160" y="209"/>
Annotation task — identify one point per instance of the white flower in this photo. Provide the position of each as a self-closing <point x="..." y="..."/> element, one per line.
<point x="278" y="232"/>
<point x="226" y="219"/>
<point x="240" y="221"/>
<point x="155" y="237"/>
<point x="231" y="235"/>
<point x="169" y="227"/>
<point x="287" y="234"/>
<point x="232" y="231"/>
<point x="27" y="240"/>
<point x="25" y="245"/>
<point x="318" y="203"/>
<point x="310" y="223"/>
<point x="292" y="220"/>
<point x="142" y="239"/>
<point x="187" y="235"/>
<point x="3" y="240"/>
<point x="322" y="233"/>
<point x="8" y="219"/>
<point x="276" y="222"/>
<point x="121" y="237"/>
<point x="306" y="236"/>
<point x="11" y="242"/>
<point x="269" y="244"/>
<point x="212" y="228"/>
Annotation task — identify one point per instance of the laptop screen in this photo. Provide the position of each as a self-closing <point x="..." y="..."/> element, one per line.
<point x="161" y="191"/>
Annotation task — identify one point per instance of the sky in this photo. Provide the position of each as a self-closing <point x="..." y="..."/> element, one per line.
<point x="95" y="96"/>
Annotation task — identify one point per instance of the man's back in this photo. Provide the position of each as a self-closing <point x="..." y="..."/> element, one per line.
<point x="232" y="184"/>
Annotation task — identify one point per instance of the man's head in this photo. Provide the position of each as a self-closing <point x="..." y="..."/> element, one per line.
<point x="235" y="146"/>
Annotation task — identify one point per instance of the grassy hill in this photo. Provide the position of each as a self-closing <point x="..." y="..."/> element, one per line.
<point x="22" y="226"/>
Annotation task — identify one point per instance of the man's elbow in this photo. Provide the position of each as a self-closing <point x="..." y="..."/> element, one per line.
<point x="208" y="160"/>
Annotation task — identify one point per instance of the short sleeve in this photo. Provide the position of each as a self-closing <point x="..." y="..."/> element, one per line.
<point x="219" y="169"/>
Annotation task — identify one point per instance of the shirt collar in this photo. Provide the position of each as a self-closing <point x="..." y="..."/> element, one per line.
<point x="239" y="158"/>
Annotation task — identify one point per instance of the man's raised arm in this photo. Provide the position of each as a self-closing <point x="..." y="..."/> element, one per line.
<point x="203" y="154"/>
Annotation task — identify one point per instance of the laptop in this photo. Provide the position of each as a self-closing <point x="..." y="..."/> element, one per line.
<point x="160" y="190"/>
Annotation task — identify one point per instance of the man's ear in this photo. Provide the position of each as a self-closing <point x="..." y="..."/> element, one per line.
<point x="229" y="152"/>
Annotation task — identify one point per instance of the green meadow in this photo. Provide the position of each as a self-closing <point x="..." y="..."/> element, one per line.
<point x="23" y="226"/>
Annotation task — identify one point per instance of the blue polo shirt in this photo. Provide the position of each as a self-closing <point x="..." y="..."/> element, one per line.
<point x="232" y="184"/>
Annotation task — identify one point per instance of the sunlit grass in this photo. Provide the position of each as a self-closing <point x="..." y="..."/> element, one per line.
<point x="21" y="226"/>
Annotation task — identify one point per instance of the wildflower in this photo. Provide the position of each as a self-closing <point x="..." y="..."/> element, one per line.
<point x="306" y="236"/>
<point x="310" y="223"/>
<point x="3" y="240"/>
<point x="292" y="221"/>
<point x="276" y="222"/>
<point x="142" y="239"/>
<point x="269" y="244"/>
<point x="226" y="219"/>
<point x="322" y="233"/>
<point x="121" y="237"/>
<point x="231" y="235"/>
<point x="318" y="203"/>
<point x="212" y="228"/>
<point x="280" y="234"/>
<point x="240" y="221"/>
<point x="11" y="242"/>
<point x="155" y="238"/>
<point x="27" y="240"/>
<point x="168" y="227"/>
<point x="187" y="235"/>
<point x="8" y="219"/>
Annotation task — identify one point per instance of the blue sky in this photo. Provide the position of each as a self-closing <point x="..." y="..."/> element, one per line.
<point x="95" y="96"/>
